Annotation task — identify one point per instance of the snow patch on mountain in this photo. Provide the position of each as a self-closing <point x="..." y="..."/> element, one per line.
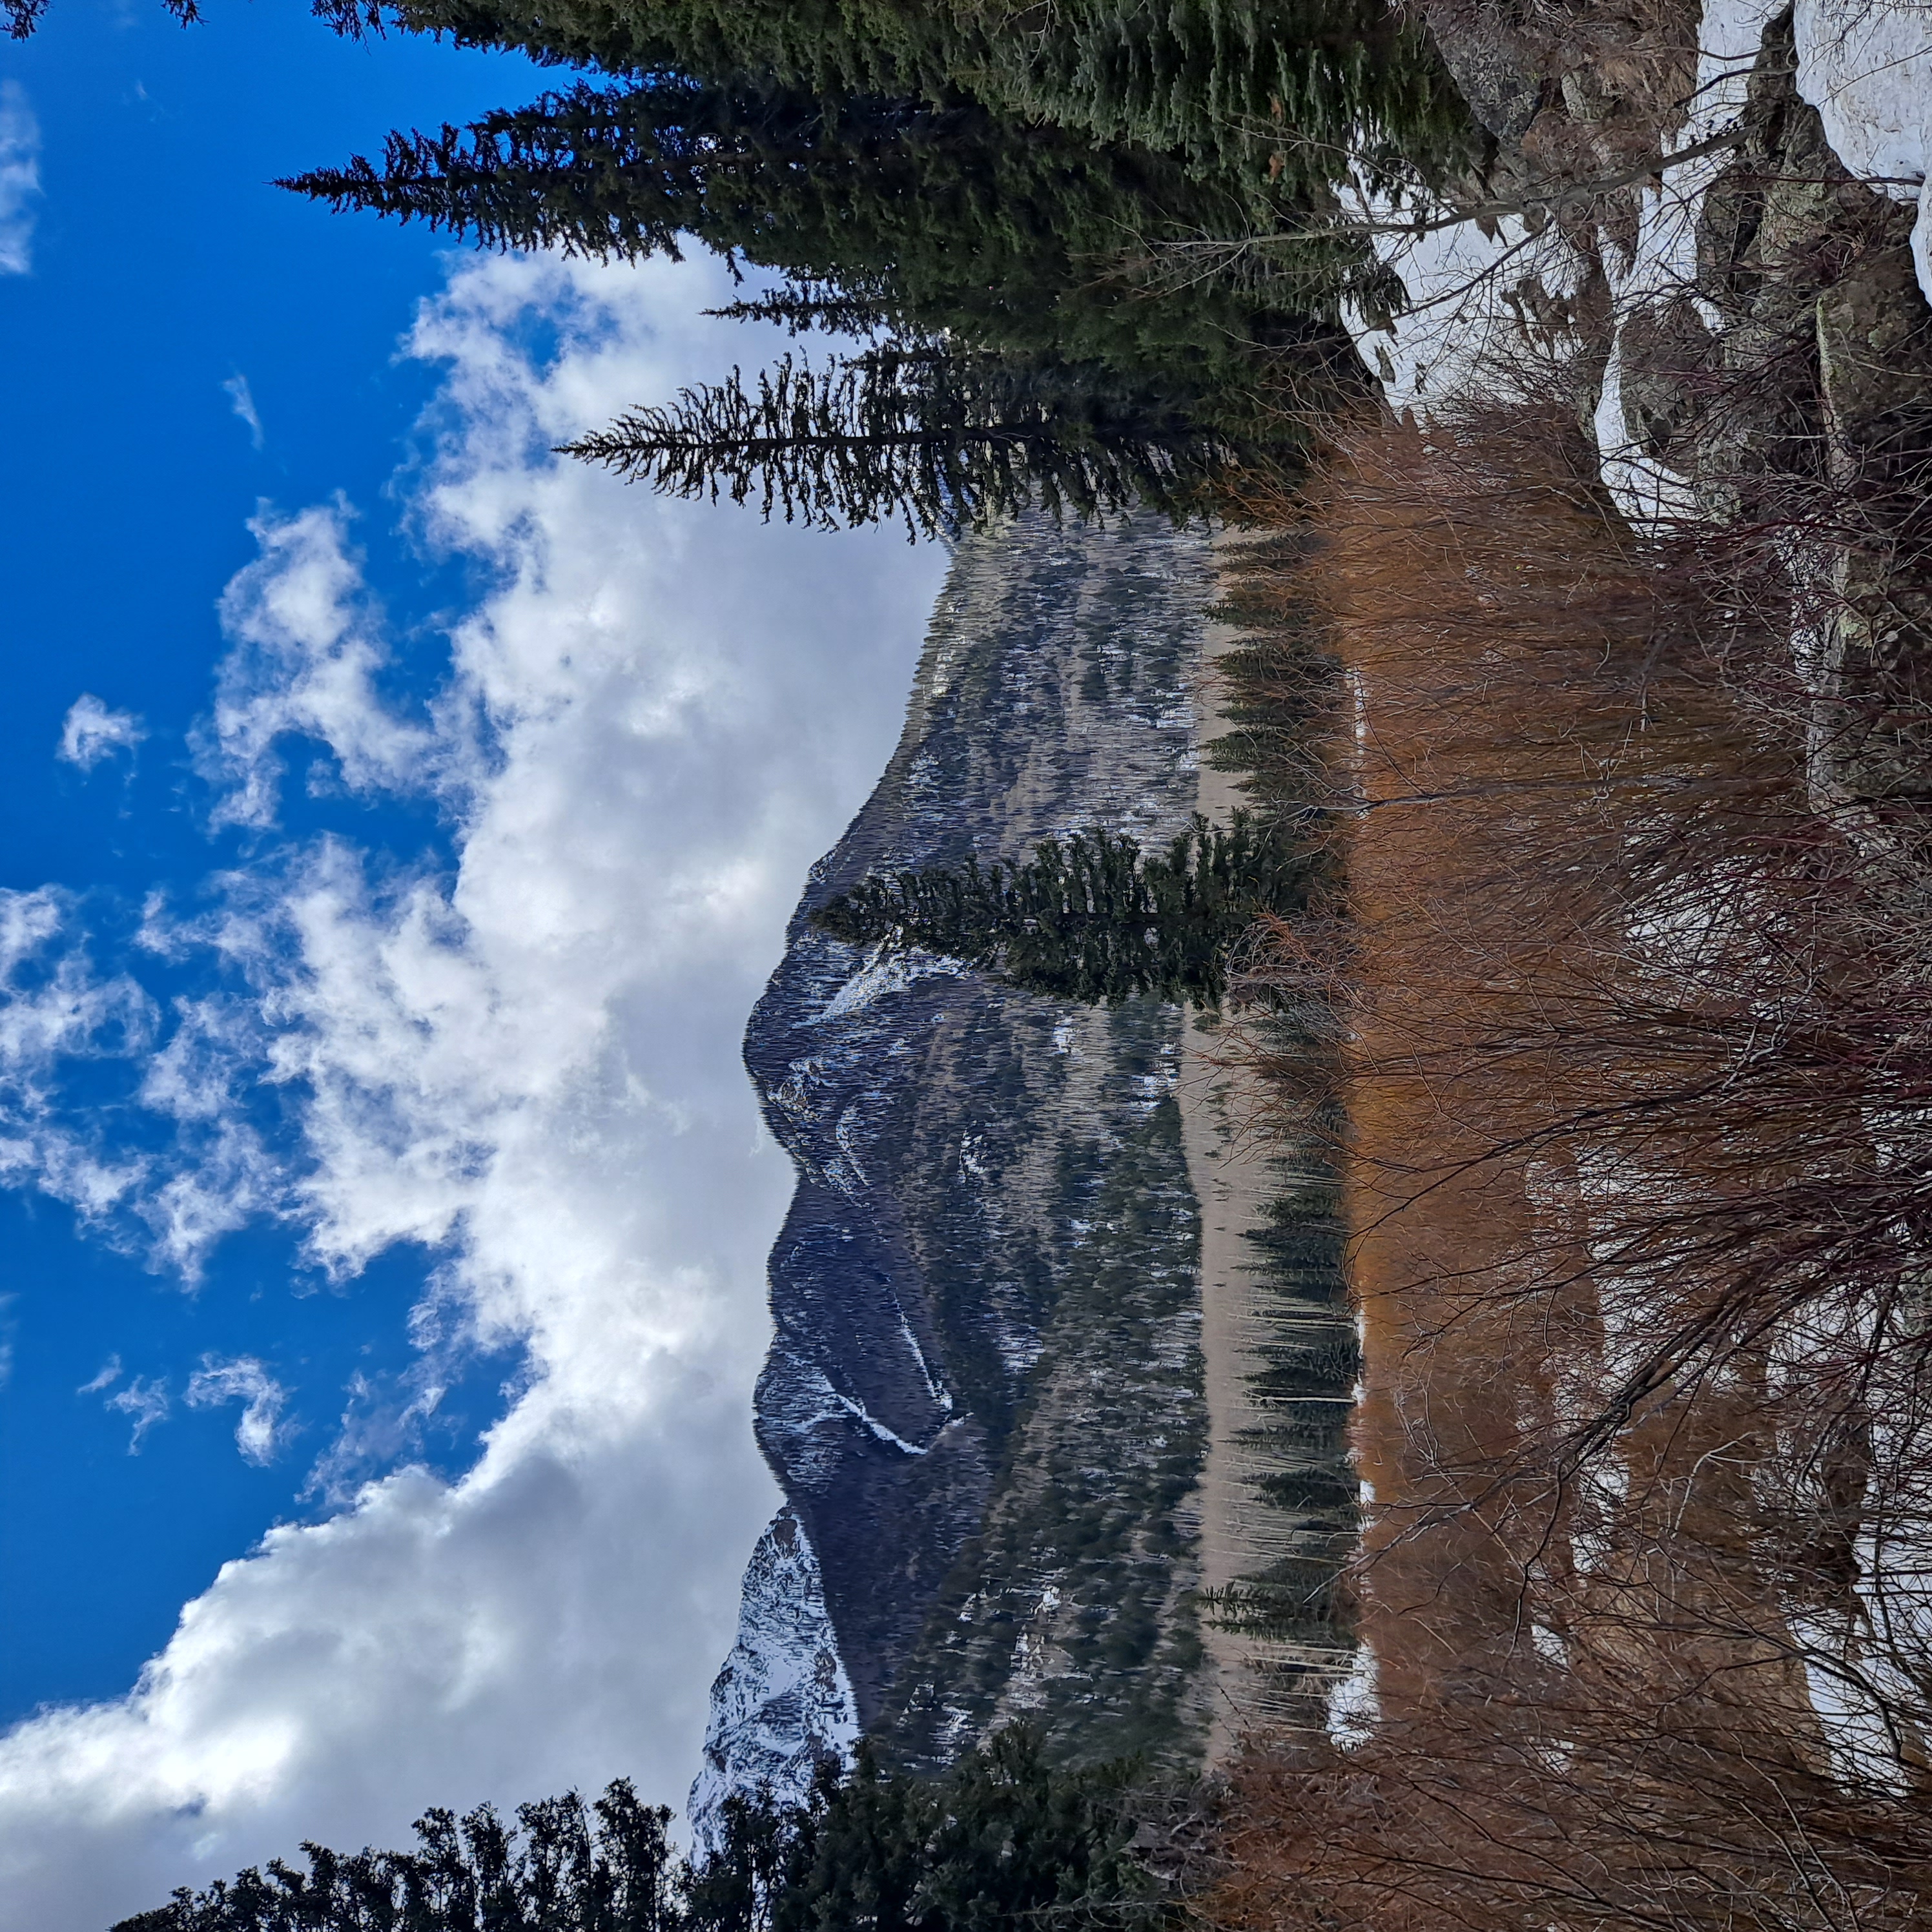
<point x="883" y="972"/>
<point x="781" y="1705"/>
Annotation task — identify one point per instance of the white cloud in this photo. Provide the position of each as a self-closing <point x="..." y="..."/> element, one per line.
<point x="380" y="1428"/>
<point x="241" y="400"/>
<point x="19" y="179"/>
<point x="147" y="1401"/>
<point x="308" y="653"/>
<point x="110" y="1374"/>
<point x="258" y="1433"/>
<point x="55" y="1009"/>
<point x="91" y="732"/>
<point x="655" y="716"/>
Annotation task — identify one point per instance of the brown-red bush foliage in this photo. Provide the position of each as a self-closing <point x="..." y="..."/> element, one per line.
<point x="1630" y="1027"/>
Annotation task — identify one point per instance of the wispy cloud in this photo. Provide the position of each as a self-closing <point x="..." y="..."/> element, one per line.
<point x="241" y="400"/>
<point x="146" y="1400"/>
<point x="56" y="1009"/>
<point x="308" y="652"/>
<point x="381" y="1426"/>
<point x="19" y="179"/>
<point x="92" y="732"/>
<point x="258" y="1435"/>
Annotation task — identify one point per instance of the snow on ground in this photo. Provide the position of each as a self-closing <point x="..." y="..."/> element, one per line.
<point x="1663" y="261"/>
<point x="1479" y="291"/>
<point x="1866" y="65"/>
<point x="1354" y="1703"/>
<point x="1474" y="291"/>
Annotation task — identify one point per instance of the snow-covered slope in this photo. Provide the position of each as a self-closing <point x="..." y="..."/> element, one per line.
<point x="781" y="1702"/>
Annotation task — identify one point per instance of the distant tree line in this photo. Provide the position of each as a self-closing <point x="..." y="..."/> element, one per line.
<point x="1002" y="1839"/>
<point x="1091" y="916"/>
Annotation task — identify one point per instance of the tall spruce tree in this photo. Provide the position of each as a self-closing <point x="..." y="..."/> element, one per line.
<point x="939" y="438"/>
<point x="1271" y="91"/>
<point x="1089" y="917"/>
<point x="885" y="213"/>
<point x="992" y="173"/>
<point x="1013" y="365"/>
<point x="995" y="175"/>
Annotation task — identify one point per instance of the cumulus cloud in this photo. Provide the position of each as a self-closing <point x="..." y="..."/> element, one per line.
<point x="19" y="179"/>
<point x="241" y="400"/>
<point x="654" y="716"/>
<point x="258" y="1434"/>
<point x="92" y="732"/>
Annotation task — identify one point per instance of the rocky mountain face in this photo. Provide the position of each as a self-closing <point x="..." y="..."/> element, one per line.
<point x="984" y="1395"/>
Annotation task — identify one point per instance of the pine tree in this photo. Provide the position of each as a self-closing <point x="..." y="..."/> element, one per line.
<point x="1278" y="90"/>
<point x="828" y="47"/>
<point x="869" y="152"/>
<point x="1266" y="91"/>
<point x="605" y="1868"/>
<point x="1089" y="917"/>
<point x="884" y="213"/>
<point x="938" y="438"/>
<point x="1003" y="1838"/>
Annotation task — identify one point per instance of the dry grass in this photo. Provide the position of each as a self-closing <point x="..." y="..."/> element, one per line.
<point x="1633" y="1038"/>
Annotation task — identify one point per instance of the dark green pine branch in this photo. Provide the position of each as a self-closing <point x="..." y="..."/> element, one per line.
<point x="936" y="437"/>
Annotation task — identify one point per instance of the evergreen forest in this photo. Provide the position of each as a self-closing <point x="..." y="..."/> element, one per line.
<point x="968" y="203"/>
<point x="1001" y="1840"/>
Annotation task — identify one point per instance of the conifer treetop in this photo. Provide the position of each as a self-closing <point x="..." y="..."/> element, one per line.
<point x="1091" y="916"/>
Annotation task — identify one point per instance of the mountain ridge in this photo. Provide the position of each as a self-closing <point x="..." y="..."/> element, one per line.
<point x="983" y="1398"/>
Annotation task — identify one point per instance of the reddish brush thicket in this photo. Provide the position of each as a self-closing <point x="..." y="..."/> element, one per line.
<point x="1630" y="1024"/>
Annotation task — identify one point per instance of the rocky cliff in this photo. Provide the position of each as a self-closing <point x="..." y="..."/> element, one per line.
<point x="984" y="1397"/>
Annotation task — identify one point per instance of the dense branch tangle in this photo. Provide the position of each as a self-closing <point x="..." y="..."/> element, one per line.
<point x="1634" y="1041"/>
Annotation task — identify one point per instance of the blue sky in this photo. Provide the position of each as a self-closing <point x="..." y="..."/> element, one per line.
<point x="164" y="268"/>
<point x="396" y="825"/>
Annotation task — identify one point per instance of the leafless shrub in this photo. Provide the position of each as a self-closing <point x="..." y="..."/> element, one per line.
<point x="1628" y="1023"/>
